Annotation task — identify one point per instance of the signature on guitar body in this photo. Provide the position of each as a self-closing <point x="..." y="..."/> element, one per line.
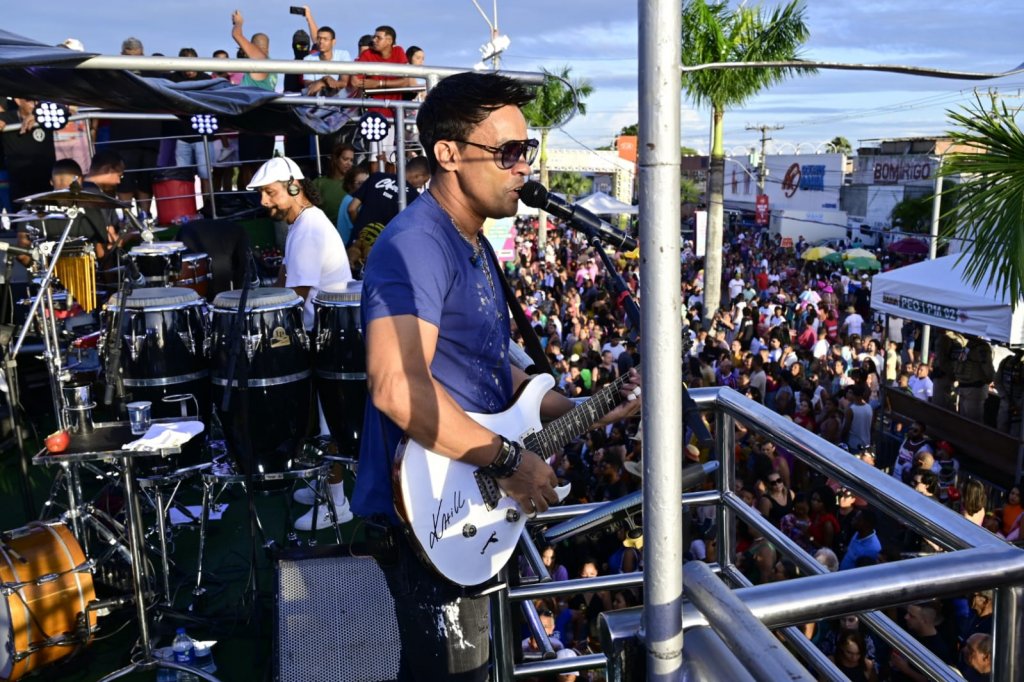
<point x="462" y="522"/>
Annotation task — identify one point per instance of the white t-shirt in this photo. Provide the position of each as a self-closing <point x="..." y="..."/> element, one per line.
<point x="735" y="287"/>
<point x="854" y="324"/>
<point x="336" y="56"/>
<point x="315" y="257"/>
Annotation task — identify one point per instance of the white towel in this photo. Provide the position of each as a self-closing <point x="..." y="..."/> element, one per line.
<point x="167" y="435"/>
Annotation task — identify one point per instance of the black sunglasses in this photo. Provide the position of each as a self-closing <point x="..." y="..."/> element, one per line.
<point x="507" y="155"/>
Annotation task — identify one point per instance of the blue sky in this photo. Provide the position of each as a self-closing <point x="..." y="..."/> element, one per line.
<point x="598" y="39"/>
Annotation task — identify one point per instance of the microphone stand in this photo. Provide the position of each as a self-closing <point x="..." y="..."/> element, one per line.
<point x="53" y="362"/>
<point x="113" y="378"/>
<point x="239" y="371"/>
<point x="617" y="284"/>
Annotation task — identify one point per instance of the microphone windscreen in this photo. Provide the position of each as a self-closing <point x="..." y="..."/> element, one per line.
<point x="534" y="194"/>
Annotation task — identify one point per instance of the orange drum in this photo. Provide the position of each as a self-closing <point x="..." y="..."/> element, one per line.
<point x="47" y="589"/>
<point x="195" y="273"/>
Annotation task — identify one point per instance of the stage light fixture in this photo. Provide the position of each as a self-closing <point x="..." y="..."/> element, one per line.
<point x="204" y="124"/>
<point x="51" y="115"/>
<point x="374" y="127"/>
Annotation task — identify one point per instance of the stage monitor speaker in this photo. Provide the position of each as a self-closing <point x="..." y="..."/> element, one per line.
<point x="335" y="620"/>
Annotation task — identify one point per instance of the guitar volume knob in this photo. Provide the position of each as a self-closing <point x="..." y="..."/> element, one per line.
<point x="512" y="515"/>
<point x="469" y="530"/>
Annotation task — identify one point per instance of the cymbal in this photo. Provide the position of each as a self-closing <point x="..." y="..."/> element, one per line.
<point x="35" y="217"/>
<point x="74" y="197"/>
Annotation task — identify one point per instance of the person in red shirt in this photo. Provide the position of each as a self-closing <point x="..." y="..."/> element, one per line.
<point x="383" y="50"/>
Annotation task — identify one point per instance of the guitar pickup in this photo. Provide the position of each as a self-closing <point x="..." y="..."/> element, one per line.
<point x="489" y="490"/>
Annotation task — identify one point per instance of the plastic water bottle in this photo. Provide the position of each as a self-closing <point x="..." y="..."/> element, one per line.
<point x="204" y="658"/>
<point x="184" y="654"/>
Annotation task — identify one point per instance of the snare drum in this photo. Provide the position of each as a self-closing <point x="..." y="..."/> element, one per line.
<point x="279" y="377"/>
<point x="158" y="262"/>
<point x="163" y="351"/>
<point x="195" y="273"/>
<point x="47" y="589"/>
<point x="340" y="364"/>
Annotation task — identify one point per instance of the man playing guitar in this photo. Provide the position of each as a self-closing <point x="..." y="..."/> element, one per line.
<point x="437" y="332"/>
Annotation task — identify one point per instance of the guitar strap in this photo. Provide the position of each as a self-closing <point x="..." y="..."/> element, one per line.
<point x="533" y="347"/>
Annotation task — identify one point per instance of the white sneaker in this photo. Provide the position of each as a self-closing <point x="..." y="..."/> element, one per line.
<point x="304" y="495"/>
<point x="305" y="522"/>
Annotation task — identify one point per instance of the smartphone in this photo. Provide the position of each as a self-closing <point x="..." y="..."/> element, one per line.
<point x="297" y="10"/>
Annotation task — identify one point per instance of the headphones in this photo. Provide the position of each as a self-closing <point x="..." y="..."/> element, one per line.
<point x="293" y="188"/>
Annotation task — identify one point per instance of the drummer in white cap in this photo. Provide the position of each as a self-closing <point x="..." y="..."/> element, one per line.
<point x="314" y="260"/>
<point x="314" y="257"/>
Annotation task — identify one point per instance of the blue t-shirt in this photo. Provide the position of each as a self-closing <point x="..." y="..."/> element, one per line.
<point x="420" y="265"/>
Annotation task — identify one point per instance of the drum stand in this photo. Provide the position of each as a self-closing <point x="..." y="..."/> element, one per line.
<point x="156" y="484"/>
<point x="135" y="545"/>
<point x="212" y="479"/>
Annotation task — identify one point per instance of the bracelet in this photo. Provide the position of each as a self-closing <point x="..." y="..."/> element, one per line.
<point x="507" y="462"/>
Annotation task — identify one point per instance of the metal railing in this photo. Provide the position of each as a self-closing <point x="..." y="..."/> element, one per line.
<point x="974" y="560"/>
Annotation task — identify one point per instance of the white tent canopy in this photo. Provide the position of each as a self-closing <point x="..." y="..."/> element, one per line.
<point x="935" y="292"/>
<point x="600" y="203"/>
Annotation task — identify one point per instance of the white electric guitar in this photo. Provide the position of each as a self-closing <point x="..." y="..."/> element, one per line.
<point x="464" y="523"/>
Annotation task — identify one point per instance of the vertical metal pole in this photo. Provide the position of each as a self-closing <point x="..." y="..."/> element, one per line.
<point x="502" y="636"/>
<point x="933" y="241"/>
<point x="660" y="40"/>
<point x="161" y="524"/>
<point x="400" y="153"/>
<point x="316" y="155"/>
<point x="1006" y="628"/>
<point x="135" y="546"/>
<point x="725" y="452"/>
<point x="209" y="177"/>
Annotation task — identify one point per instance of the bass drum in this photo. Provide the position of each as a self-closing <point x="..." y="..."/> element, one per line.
<point x="47" y="588"/>
<point x="276" y="347"/>
<point x="340" y="365"/>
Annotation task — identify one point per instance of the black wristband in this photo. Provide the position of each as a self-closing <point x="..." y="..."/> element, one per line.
<point x="510" y="456"/>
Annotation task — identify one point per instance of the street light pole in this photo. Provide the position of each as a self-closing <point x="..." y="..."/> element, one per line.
<point x="762" y="172"/>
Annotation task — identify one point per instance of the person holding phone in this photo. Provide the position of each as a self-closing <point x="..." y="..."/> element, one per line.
<point x="324" y="84"/>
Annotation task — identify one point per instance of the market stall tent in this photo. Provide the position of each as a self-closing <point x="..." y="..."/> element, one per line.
<point x="936" y="292"/>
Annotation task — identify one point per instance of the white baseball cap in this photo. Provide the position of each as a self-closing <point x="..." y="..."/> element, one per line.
<point x="278" y="169"/>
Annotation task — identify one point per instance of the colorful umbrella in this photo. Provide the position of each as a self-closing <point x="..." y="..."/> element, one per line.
<point x="817" y="253"/>
<point x="858" y="253"/>
<point x="862" y="264"/>
<point x="833" y="258"/>
<point x="909" y="247"/>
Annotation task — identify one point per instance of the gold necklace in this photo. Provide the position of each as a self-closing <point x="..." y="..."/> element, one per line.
<point x="478" y="257"/>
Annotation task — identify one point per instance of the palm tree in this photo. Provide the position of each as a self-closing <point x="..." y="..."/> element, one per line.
<point x="715" y="33"/>
<point x="571" y="183"/>
<point x="840" y="145"/>
<point x="990" y="210"/>
<point x="551" y="107"/>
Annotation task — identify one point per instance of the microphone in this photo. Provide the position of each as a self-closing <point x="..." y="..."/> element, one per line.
<point x="536" y="195"/>
<point x="16" y="250"/>
<point x="134" y="276"/>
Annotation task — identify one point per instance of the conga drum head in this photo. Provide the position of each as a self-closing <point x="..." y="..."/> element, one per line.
<point x="158" y="262"/>
<point x="265" y="298"/>
<point x="155" y="298"/>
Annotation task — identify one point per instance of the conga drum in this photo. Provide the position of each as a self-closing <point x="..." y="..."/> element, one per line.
<point x="163" y="352"/>
<point x="340" y="364"/>
<point x="46" y="588"/>
<point x="273" y="413"/>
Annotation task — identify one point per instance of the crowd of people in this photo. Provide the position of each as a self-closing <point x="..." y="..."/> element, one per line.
<point x="801" y="338"/>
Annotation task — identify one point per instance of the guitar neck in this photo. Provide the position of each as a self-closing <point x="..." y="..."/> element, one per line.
<point x="574" y="423"/>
